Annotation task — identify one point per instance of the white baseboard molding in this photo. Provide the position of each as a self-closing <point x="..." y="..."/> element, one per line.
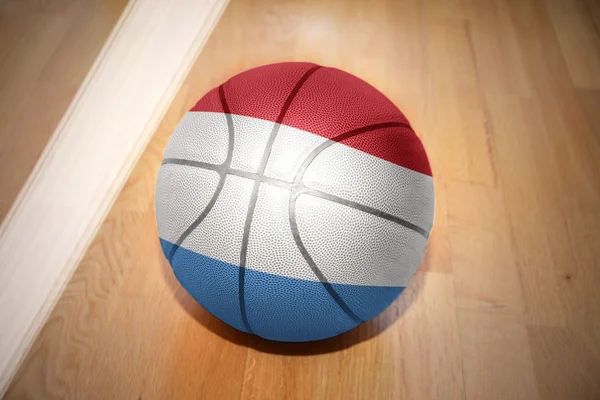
<point x="88" y="159"/>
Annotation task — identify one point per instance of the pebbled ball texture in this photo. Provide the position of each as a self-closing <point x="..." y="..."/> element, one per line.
<point x="294" y="202"/>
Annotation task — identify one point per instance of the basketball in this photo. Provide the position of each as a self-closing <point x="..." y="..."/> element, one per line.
<point x="294" y="202"/>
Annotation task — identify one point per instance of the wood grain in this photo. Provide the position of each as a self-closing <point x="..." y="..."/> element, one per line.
<point x="46" y="50"/>
<point x="505" y="305"/>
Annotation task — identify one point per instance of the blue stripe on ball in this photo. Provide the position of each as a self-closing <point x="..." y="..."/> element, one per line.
<point x="278" y="308"/>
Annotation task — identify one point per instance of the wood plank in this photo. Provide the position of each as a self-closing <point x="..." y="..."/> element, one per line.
<point x="593" y="10"/>
<point x="429" y="348"/>
<point x="567" y="363"/>
<point x="486" y="275"/>
<point x="460" y="113"/>
<point x="589" y="100"/>
<point x="496" y="356"/>
<point x="493" y="337"/>
<point x="499" y="64"/>
<point x="578" y="39"/>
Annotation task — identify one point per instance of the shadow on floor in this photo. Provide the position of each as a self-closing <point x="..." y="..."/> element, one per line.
<point x="361" y="333"/>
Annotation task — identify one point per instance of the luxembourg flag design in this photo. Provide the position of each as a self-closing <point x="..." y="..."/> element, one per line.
<point x="294" y="202"/>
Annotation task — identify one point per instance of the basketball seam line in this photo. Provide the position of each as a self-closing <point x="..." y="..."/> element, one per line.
<point x="294" y="193"/>
<point x="256" y="188"/>
<point x="222" y="176"/>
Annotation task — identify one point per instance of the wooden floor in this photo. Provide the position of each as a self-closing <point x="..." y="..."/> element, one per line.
<point x="46" y="50"/>
<point x="505" y="95"/>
